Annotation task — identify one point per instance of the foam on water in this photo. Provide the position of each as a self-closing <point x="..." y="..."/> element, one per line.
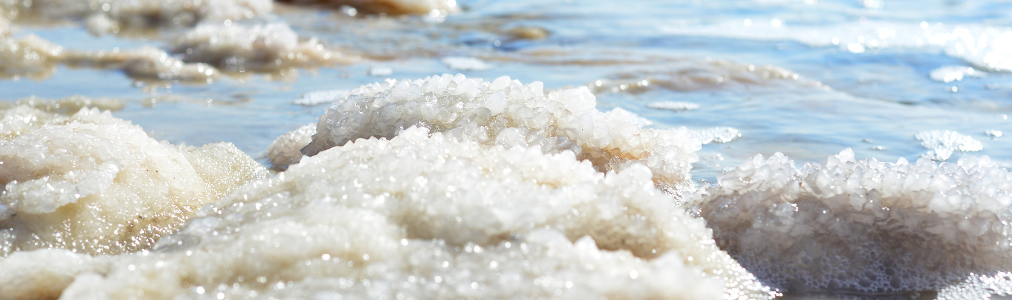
<point x="507" y="113"/>
<point x="420" y="215"/>
<point x="268" y="47"/>
<point x="863" y="226"/>
<point x="96" y="184"/>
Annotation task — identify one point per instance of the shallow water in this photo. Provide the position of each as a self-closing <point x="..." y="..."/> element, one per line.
<point x="804" y="78"/>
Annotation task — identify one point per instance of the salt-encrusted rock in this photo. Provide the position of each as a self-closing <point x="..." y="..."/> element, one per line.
<point x="396" y="7"/>
<point x="431" y="216"/>
<point x="863" y="226"/>
<point x="285" y="150"/>
<point x="267" y="47"/>
<point x="507" y="113"/>
<point x="96" y="184"/>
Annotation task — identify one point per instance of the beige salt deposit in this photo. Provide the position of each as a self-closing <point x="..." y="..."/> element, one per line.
<point x="66" y="106"/>
<point x="417" y="216"/>
<point x="136" y="15"/>
<point x="507" y="113"/>
<point x="696" y="75"/>
<point x="268" y="47"/>
<point x="864" y="226"/>
<point x="286" y="149"/>
<point x="92" y="183"/>
<point x="394" y="7"/>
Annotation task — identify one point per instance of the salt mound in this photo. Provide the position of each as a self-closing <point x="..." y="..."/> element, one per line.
<point x="422" y="216"/>
<point x="508" y="113"/>
<point x="943" y="142"/>
<point x="29" y="56"/>
<point x="394" y="7"/>
<point x="863" y="226"/>
<point x="66" y="106"/>
<point x="285" y="150"/>
<point x="96" y="184"/>
<point x="267" y="47"/>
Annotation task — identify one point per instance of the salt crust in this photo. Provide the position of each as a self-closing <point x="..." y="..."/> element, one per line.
<point x="863" y="226"/>
<point x="268" y="47"/>
<point x="130" y="15"/>
<point x="66" y="106"/>
<point x="943" y="142"/>
<point x="36" y="58"/>
<point x="96" y="184"/>
<point x="507" y="113"/>
<point x="396" y="7"/>
<point x="694" y="75"/>
<point x="285" y="150"/>
<point x="421" y="216"/>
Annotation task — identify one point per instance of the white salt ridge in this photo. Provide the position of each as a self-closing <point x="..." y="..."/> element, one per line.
<point x="285" y="150"/>
<point x="239" y="48"/>
<point x="95" y="184"/>
<point x="438" y="8"/>
<point x="673" y="105"/>
<point x="380" y="71"/>
<point x="320" y="97"/>
<point x="419" y="216"/>
<point x="954" y="73"/>
<point x="987" y="48"/>
<point x="465" y="63"/>
<point x="942" y="143"/>
<point x="37" y="58"/>
<point x="718" y="135"/>
<point x="507" y="113"/>
<point x="133" y="15"/>
<point x="863" y="226"/>
<point x="66" y="106"/>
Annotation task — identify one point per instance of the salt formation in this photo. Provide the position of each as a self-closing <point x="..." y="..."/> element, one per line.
<point x="465" y="63"/>
<point x="420" y="216"/>
<point x="508" y="113"/>
<point x="943" y="142"/>
<point x="718" y="135"/>
<point x="692" y="75"/>
<point x="37" y="58"/>
<point x="285" y="150"/>
<point x="267" y="47"/>
<point x="320" y="97"/>
<point x="863" y="226"/>
<point x="395" y="7"/>
<point x="96" y="184"/>
<point x="673" y="105"/>
<point x="66" y="106"/>
<point x="954" y="73"/>
<point x="133" y="15"/>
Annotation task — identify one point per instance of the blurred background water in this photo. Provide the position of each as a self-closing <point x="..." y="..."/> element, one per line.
<point x="806" y="78"/>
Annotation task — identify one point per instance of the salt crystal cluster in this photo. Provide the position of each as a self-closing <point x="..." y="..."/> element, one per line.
<point x="863" y="226"/>
<point x="507" y="113"/>
<point x="286" y="149"/>
<point x="395" y="7"/>
<point x="96" y="184"/>
<point x="267" y="47"/>
<point x="418" y="216"/>
<point x="942" y="143"/>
